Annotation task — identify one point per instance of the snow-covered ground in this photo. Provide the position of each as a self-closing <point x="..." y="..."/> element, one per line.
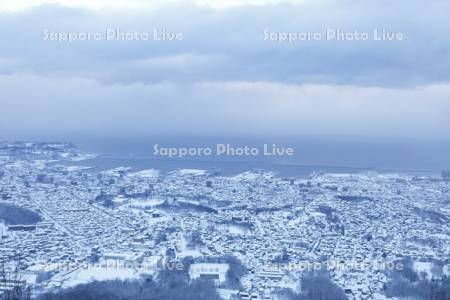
<point x="97" y="273"/>
<point x="151" y="173"/>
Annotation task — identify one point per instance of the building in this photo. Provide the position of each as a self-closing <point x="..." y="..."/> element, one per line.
<point x="216" y="272"/>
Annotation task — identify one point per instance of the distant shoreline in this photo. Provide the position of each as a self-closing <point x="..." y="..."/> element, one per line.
<point x="228" y="167"/>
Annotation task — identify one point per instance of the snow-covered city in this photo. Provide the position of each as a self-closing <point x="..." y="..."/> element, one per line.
<point x="255" y="235"/>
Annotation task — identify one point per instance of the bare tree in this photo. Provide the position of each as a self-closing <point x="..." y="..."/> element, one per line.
<point x="12" y="285"/>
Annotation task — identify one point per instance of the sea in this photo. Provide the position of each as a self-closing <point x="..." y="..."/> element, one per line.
<point x="311" y="155"/>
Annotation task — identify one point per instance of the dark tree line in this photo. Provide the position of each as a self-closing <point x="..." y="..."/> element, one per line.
<point x="315" y="286"/>
<point x="14" y="215"/>
<point x="171" y="288"/>
<point x="169" y="284"/>
<point x="409" y="284"/>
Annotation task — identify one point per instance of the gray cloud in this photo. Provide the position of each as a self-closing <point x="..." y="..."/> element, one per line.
<point x="242" y="108"/>
<point x="224" y="78"/>
<point x="229" y="45"/>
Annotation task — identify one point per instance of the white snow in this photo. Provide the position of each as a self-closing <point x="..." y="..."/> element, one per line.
<point x="151" y="173"/>
<point x="192" y="172"/>
<point x="99" y="273"/>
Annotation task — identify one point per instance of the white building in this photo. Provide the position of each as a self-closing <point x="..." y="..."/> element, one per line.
<point x="216" y="272"/>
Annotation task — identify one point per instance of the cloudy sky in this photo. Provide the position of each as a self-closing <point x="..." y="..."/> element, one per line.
<point x="225" y="76"/>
